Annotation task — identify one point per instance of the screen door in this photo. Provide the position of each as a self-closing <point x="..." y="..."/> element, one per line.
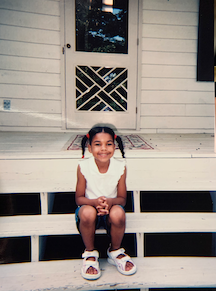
<point x="101" y="62"/>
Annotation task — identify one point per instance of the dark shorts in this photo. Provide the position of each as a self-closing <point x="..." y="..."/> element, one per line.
<point x="101" y="221"/>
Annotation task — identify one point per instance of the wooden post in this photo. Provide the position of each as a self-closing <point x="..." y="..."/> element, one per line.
<point x="213" y="197"/>
<point x="140" y="244"/>
<point x="47" y="200"/>
<point x="34" y="248"/>
<point x="44" y="198"/>
<point x="44" y="203"/>
<point x="136" y="197"/>
<point x="139" y="236"/>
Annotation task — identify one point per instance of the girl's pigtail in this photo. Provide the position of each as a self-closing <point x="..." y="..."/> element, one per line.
<point x="83" y="144"/>
<point x="120" y="144"/>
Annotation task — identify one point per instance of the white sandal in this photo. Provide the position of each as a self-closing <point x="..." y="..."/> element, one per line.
<point x="88" y="263"/>
<point x="120" y="263"/>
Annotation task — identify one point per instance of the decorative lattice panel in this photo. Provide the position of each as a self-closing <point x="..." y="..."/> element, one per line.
<point x="101" y="88"/>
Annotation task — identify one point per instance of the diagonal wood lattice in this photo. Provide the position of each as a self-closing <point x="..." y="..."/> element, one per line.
<point x="101" y="88"/>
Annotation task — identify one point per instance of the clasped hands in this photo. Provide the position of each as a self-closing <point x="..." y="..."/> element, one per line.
<point x="103" y="206"/>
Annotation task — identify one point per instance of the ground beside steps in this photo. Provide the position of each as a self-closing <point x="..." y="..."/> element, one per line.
<point x="153" y="272"/>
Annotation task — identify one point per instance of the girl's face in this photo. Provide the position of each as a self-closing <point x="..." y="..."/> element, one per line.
<point x="102" y="147"/>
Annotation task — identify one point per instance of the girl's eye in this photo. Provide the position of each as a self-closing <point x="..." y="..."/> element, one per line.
<point x="97" y="144"/>
<point x="109" y="144"/>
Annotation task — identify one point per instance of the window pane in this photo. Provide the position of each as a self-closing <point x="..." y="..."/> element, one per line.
<point x="102" y="26"/>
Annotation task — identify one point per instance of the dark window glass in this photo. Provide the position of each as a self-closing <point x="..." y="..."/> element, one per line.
<point x="102" y="26"/>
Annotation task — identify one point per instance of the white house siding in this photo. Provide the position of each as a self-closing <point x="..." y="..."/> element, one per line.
<point x="171" y="98"/>
<point x="30" y="68"/>
<point x="30" y="64"/>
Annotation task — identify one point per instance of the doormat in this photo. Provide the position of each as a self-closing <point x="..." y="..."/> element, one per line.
<point x="131" y="141"/>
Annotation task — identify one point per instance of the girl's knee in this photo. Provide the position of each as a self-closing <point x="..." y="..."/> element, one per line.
<point x="117" y="215"/>
<point x="87" y="214"/>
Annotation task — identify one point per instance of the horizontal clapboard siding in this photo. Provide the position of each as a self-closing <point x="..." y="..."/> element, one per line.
<point x="27" y="64"/>
<point x="174" y="5"/>
<point x="22" y="49"/>
<point x="29" y="91"/>
<point x="29" y="20"/>
<point x="176" y="84"/>
<point x="176" y="122"/>
<point x="171" y="98"/>
<point x="46" y="7"/>
<point x="30" y="78"/>
<point x="30" y="63"/>
<point x="30" y="35"/>
<point x="167" y="71"/>
<point x="30" y="119"/>
<point x="34" y="106"/>
<point x="176" y="18"/>
<point x="169" y="58"/>
<point x="170" y="45"/>
<point x="169" y="31"/>
<point x="178" y="110"/>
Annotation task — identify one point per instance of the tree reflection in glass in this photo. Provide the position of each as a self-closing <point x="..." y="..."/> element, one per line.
<point x="102" y="26"/>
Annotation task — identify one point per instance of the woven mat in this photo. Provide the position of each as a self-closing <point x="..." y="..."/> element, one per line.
<point x="131" y="141"/>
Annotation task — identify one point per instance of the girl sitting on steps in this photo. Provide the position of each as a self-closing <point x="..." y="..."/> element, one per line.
<point x="101" y="197"/>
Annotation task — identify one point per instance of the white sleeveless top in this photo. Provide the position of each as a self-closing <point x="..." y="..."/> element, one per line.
<point x="101" y="184"/>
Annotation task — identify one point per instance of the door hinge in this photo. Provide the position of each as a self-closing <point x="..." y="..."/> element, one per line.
<point x="137" y="41"/>
<point x="63" y="50"/>
<point x="136" y="110"/>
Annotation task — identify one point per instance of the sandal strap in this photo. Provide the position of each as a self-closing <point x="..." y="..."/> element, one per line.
<point x="125" y="259"/>
<point x="88" y="254"/>
<point x="89" y="263"/>
<point x="118" y="252"/>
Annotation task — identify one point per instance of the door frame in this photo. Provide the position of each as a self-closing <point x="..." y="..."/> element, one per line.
<point x="63" y="67"/>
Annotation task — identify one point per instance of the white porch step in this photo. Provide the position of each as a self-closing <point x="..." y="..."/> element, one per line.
<point x="35" y="175"/>
<point x="58" y="224"/>
<point x="154" y="272"/>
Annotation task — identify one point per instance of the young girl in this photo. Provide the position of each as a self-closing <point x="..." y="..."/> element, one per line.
<point x="101" y="197"/>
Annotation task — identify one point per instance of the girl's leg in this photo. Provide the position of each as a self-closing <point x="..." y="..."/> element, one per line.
<point x="117" y="229"/>
<point x="88" y="215"/>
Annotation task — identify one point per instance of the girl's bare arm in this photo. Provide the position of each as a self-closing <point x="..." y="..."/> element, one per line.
<point x="80" y="191"/>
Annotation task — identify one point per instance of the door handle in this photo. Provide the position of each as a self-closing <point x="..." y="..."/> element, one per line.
<point x="68" y="45"/>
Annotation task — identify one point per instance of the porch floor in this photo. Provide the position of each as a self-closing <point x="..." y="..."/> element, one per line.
<point x="54" y="145"/>
<point x="155" y="272"/>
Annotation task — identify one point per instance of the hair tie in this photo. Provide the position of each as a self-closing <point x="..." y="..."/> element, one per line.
<point x="115" y="136"/>
<point x="83" y="157"/>
<point x="87" y="135"/>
